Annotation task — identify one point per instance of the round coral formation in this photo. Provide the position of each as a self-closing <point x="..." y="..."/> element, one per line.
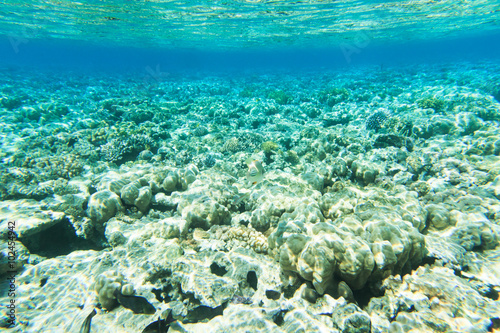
<point x="102" y="206"/>
<point x="356" y="247"/>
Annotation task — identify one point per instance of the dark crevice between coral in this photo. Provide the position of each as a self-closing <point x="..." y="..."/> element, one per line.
<point x="252" y="279"/>
<point x="189" y="298"/>
<point x="240" y="208"/>
<point x="289" y="291"/>
<point x="92" y="190"/>
<point x="278" y="319"/>
<point x="273" y="294"/>
<point x="43" y="281"/>
<point x="495" y="324"/>
<point x="203" y="313"/>
<point x="163" y="294"/>
<point x="428" y="260"/>
<point x="490" y="292"/>
<point x="218" y="270"/>
<point x="60" y="239"/>
<point x="408" y="268"/>
<point x="162" y="208"/>
<point x="364" y="295"/>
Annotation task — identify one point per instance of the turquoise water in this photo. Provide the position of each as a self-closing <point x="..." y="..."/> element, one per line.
<point x="250" y="166"/>
<point x="243" y="24"/>
<point x="247" y="33"/>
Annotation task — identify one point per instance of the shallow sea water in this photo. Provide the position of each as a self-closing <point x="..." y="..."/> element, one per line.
<point x="250" y="166"/>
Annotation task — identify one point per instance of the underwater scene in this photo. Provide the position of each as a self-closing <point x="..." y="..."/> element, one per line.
<point x="249" y="166"/>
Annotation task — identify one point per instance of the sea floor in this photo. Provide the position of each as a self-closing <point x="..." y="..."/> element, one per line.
<point x="354" y="200"/>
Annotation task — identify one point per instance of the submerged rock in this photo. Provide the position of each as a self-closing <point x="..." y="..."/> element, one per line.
<point x="102" y="206"/>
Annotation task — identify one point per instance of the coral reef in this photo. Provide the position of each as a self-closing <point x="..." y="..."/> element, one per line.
<point x="230" y="203"/>
<point x="105" y="286"/>
<point x="102" y="206"/>
<point x="375" y="121"/>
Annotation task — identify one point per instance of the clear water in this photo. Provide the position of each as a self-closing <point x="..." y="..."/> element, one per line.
<point x="246" y="33"/>
<point x="379" y="113"/>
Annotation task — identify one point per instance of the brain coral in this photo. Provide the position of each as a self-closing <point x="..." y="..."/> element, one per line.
<point x="364" y="245"/>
